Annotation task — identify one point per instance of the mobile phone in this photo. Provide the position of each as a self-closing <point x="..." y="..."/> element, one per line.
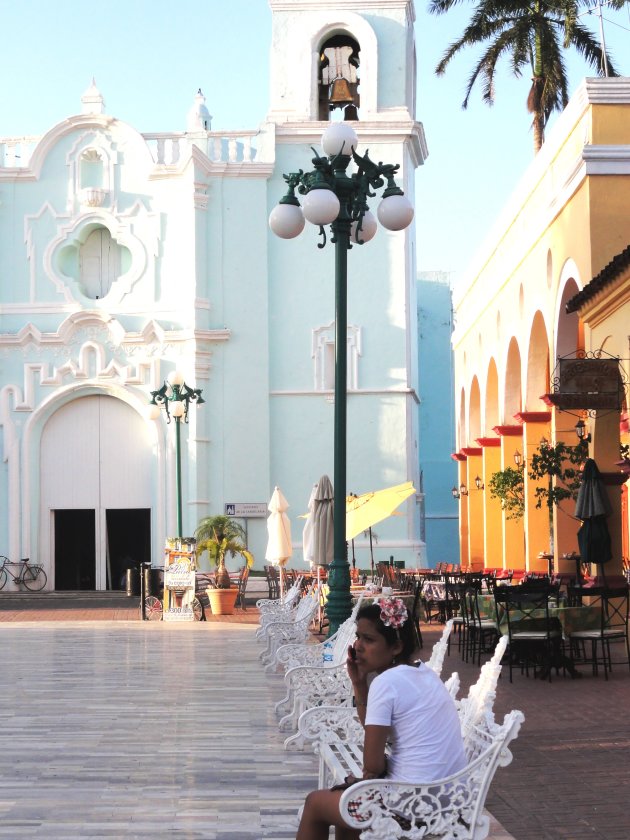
<point x="353" y="654"/>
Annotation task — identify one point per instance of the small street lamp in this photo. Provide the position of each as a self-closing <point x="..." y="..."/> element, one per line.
<point x="335" y="197"/>
<point x="175" y="398"/>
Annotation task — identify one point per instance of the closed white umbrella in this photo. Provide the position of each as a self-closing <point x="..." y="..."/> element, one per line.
<point x="308" y="536"/>
<point x="279" y="547"/>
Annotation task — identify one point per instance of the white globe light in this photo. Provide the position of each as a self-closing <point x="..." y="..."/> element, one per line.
<point x="339" y="138"/>
<point x="286" y="220"/>
<point x="395" y="212"/>
<point x="153" y="412"/>
<point x="176" y="377"/>
<point x="176" y="408"/>
<point x="321" y="207"/>
<point x="368" y="229"/>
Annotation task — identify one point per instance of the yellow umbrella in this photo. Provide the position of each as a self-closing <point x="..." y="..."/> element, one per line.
<point x="366" y="510"/>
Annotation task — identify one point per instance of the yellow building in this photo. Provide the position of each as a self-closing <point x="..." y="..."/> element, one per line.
<point x="551" y="282"/>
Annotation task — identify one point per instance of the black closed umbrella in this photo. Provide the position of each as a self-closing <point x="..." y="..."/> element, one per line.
<point x="593" y="507"/>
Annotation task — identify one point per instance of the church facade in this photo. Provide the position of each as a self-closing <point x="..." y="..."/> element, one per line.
<point x="126" y="256"/>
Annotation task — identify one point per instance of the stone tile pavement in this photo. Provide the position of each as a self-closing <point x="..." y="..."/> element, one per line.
<point x="93" y="715"/>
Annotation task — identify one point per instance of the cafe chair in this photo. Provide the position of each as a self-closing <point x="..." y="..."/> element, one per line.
<point x="535" y="639"/>
<point x="482" y="633"/>
<point x="613" y="626"/>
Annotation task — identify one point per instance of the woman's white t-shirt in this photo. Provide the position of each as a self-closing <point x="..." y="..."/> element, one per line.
<point x="425" y="739"/>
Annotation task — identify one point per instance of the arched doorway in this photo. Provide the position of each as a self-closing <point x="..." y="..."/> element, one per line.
<point x="95" y="467"/>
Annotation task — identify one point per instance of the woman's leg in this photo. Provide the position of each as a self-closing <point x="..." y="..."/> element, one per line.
<point x="321" y="810"/>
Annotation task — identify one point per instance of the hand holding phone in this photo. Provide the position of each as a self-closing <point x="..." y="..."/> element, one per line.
<point x="353" y="653"/>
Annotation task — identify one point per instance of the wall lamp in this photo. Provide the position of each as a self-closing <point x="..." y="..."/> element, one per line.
<point x="584" y="436"/>
<point x="479" y="483"/>
<point x="518" y="459"/>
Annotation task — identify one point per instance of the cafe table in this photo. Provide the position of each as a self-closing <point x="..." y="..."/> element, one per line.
<point x="571" y="618"/>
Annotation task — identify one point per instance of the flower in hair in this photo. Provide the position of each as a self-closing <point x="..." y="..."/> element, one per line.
<point x="393" y="612"/>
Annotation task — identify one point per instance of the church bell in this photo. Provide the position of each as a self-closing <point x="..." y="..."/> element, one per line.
<point x="340" y="94"/>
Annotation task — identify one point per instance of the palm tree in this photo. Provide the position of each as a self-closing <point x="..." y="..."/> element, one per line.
<point x="531" y="33"/>
<point x="220" y="535"/>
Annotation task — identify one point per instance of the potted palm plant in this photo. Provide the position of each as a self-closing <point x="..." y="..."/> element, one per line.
<point x="220" y="535"/>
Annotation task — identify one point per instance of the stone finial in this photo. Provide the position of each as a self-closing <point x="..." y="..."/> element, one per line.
<point x="92" y="101"/>
<point x="199" y="118"/>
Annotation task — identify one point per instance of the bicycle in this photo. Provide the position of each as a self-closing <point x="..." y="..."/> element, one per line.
<point x="33" y="577"/>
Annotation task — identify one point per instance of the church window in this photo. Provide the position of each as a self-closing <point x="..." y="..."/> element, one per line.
<point x="101" y="261"/>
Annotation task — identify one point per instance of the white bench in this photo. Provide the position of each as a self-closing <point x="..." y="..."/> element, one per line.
<point x="277" y="609"/>
<point x="293" y="628"/>
<point x="446" y="809"/>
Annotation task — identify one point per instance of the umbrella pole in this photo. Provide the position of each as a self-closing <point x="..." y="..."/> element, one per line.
<point x="371" y="553"/>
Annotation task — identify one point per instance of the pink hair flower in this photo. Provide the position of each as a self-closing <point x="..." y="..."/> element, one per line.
<point x="393" y="612"/>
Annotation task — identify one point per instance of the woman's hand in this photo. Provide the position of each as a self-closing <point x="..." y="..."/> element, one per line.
<point x="356" y="674"/>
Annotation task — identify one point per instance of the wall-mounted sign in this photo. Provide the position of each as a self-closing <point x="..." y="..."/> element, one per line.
<point x="589" y="383"/>
<point x="247" y="510"/>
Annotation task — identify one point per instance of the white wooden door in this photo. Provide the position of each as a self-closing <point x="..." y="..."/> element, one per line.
<point x="95" y="454"/>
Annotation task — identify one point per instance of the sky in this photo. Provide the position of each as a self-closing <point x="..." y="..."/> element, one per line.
<point x="149" y="57"/>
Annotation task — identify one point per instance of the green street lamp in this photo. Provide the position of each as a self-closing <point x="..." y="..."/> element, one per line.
<point x="336" y="197"/>
<point x="175" y="398"/>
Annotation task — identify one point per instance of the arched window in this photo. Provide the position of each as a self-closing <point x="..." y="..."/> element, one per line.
<point x="100" y="259"/>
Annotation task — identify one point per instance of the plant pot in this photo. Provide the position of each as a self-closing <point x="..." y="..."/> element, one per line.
<point x="222" y="600"/>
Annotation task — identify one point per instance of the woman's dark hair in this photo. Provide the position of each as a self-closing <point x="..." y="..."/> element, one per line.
<point x="407" y="634"/>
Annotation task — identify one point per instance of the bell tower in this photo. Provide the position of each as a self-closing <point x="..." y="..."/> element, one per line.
<point x="352" y="60"/>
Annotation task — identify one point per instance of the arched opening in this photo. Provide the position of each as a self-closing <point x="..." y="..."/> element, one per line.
<point x="537" y="380"/>
<point x="569" y="331"/>
<point x="96" y="473"/>
<point x="492" y="399"/>
<point x="474" y="414"/>
<point x="512" y="400"/>
<point x="338" y="81"/>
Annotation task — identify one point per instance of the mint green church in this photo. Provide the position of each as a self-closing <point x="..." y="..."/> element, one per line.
<point x="126" y="256"/>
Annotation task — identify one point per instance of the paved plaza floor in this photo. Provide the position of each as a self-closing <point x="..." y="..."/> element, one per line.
<point x="124" y="729"/>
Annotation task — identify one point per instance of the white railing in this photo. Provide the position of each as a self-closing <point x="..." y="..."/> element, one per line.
<point x="167" y="149"/>
<point x="219" y="146"/>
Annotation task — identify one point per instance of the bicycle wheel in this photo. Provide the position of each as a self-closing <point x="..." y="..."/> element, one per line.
<point x="153" y="608"/>
<point x="34" y="578"/>
<point x="3" y="573"/>
<point x="198" y="610"/>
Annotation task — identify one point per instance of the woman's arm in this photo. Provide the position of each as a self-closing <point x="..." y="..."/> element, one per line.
<point x="374" y="762"/>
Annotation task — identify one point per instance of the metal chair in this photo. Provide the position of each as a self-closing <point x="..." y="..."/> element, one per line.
<point x="483" y="633"/>
<point x="534" y="638"/>
<point x="613" y="604"/>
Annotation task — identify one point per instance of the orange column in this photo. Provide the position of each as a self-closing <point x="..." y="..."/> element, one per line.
<point x="474" y="467"/>
<point x="565" y="525"/>
<point x="464" y="557"/>
<point x="492" y="513"/>
<point x="513" y="530"/>
<point x="536" y="425"/>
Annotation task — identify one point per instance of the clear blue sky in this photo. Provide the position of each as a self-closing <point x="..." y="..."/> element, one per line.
<point x="150" y="56"/>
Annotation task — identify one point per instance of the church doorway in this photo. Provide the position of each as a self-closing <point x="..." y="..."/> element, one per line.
<point x="97" y="477"/>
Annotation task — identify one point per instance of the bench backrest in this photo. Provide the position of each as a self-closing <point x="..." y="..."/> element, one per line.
<point x="344" y="636"/>
<point x="436" y="660"/>
<point x="475" y="709"/>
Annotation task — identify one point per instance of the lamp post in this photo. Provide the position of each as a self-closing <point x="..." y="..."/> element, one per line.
<point x="175" y="398"/>
<point x="335" y="197"/>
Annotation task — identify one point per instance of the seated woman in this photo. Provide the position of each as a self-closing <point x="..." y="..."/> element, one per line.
<point x="407" y="707"/>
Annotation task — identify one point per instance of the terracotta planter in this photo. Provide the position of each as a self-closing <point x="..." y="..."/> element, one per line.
<point x="222" y="600"/>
